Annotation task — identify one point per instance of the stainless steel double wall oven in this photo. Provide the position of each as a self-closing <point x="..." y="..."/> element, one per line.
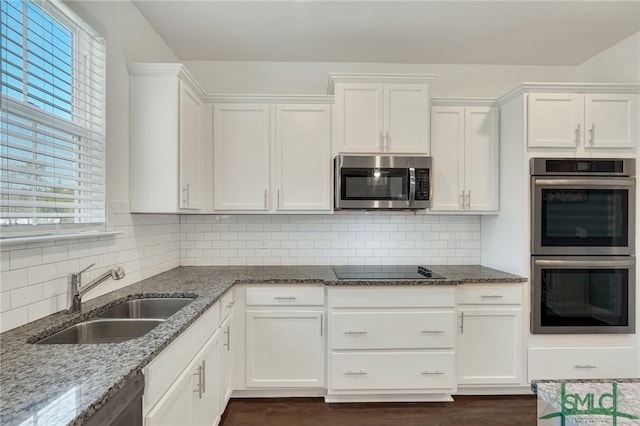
<point x="583" y="245"/>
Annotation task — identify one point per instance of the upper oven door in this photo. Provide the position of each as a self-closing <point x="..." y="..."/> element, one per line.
<point x="583" y="215"/>
<point x="379" y="182"/>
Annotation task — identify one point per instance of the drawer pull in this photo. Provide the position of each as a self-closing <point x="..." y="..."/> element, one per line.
<point x="356" y="333"/>
<point x="356" y="373"/>
<point x="491" y="296"/>
<point x="230" y="304"/>
<point x="432" y="331"/>
<point x="585" y="366"/>
<point x="284" y="297"/>
<point x="431" y="373"/>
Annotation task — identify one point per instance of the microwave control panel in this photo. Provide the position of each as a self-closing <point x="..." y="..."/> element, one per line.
<point x="422" y="184"/>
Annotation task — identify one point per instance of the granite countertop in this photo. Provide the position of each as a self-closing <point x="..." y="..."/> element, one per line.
<point x="66" y="384"/>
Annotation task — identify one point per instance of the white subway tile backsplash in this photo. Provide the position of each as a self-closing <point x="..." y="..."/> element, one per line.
<point x="26" y="295"/>
<point x="24" y="258"/>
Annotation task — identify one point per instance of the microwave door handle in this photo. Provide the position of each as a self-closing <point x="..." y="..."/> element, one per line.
<point x="412" y="186"/>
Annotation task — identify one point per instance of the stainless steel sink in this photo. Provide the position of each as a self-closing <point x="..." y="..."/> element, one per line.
<point x="102" y="331"/>
<point x="147" y="308"/>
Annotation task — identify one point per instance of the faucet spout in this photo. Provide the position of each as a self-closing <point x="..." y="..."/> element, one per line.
<point x="77" y="290"/>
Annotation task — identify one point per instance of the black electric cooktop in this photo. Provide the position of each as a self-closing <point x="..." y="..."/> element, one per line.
<point x="385" y="272"/>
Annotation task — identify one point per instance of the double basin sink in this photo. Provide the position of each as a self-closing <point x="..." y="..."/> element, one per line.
<point x="124" y="321"/>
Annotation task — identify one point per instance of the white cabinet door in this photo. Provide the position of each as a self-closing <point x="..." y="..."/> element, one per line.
<point x="406" y="118"/>
<point x="241" y="157"/>
<point x="447" y="150"/>
<point x="464" y="146"/>
<point x="226" y="359"/>
<point x="285" y="349"/>
<point x="189" y="148"/>
<point x="481" y="170"/>
<point x="358" y="117"/>
<point x="490" y="346"/>
<point x="611" y="121"/>
<point x="176" y="406"/>
<point x="555" y="120"/>
<point x="206" y="410"/>
<point x="303" y="157"/>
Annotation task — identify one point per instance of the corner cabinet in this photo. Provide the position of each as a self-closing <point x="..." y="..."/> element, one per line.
<point x="380" y="113"/>
<point x="490" y="338"/>
<point x="583" y="122"/>
<point x="272" y="158"/>
<point x="166" y="148"/>
<point x="464" y="146"/>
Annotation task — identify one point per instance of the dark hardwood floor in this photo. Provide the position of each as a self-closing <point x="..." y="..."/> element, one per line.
<point x="464" y="411"/>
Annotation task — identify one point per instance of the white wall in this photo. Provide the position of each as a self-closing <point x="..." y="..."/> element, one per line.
<point x="618" y="64"/>
<point x="33" y="282"/>
<point x="338" y="239"/>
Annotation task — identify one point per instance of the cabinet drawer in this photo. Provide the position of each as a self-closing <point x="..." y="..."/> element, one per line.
<point x="392" y="371"/>
<point x="392" y="330"/>
<point x="285" y="296"/>
<point x="506" y="294"/>
<point x="226" y="304"/>
<point x="392" y="297"/>
<point x="582" y="363"/>
<point x="166" y="367"/>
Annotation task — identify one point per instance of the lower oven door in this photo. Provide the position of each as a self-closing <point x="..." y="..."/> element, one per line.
<point x="583" y="294"/>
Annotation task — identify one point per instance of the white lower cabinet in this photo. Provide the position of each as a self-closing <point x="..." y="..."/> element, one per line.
<point x="285" y="337"/>
<point x="182" y="383"/>
<point x="583" y="363"/>
<point x="285" y="349"/>
<point x="227" y="349"/>
<point x="490" y="335"/>
<point x="391" y="343"/>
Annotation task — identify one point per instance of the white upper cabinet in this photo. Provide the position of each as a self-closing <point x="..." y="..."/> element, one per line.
<point x="303" y="157"/>
<point x="166" y="145"/>
<point x="241" y="157"/>
<point x="381" y="113"/>
<point x="582" y="123"/>
<point x="272" y="158"/>
<point x="464" y="147"/>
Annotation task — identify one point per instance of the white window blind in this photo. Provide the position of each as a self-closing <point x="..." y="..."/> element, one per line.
<point x="52" y="120"/>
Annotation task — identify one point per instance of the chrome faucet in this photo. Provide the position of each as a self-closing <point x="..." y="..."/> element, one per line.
<point x="77" y="290"/>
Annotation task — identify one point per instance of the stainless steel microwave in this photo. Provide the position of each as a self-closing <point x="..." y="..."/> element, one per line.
<point x="382" y="182"/>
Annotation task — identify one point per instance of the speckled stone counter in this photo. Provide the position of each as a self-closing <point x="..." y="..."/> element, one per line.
<point x="66" y="384"/>
<point x="588" y="402"/>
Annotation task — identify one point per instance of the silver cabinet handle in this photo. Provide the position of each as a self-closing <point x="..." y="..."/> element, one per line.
<point x="230" y="304"/>
<point x="468" y="199"/>
<point x="578" y="134"/>
<point x="356" y="373"/>
<point x="198" y="389"/>
<point x="462" y="200"/>
<point x="585" y="366"/>
<point x="185" y="196"/>
<point x="228" y="344"/>
<point x="491" y="296"/>
<point x="386" y="138"/>
<point x="381" y="141"/>
<point x="265" y="198"/>
<point x="284" y="297"/>
<point x="592" y="132"/>
<point x="432" y="331"/>
<point x="430" y="373"/>
<point x="321" y="325"/>
<point x="278" y="198"/>
<point x="355" y="333"/>
<point x="461" y="322"/>
<point x="204" y="378"/>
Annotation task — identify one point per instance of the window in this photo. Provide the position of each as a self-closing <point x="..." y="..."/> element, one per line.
<point x="52" y="121"/>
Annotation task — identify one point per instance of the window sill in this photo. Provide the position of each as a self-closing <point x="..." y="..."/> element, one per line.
<point x="9" y="241"/>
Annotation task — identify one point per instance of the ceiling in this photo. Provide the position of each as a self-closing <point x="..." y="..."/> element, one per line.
<point x="428" y="32"/>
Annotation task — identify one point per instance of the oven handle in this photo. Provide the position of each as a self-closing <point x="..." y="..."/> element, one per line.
<point x="610" y="182"/>
<point x="585" y="262"/>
